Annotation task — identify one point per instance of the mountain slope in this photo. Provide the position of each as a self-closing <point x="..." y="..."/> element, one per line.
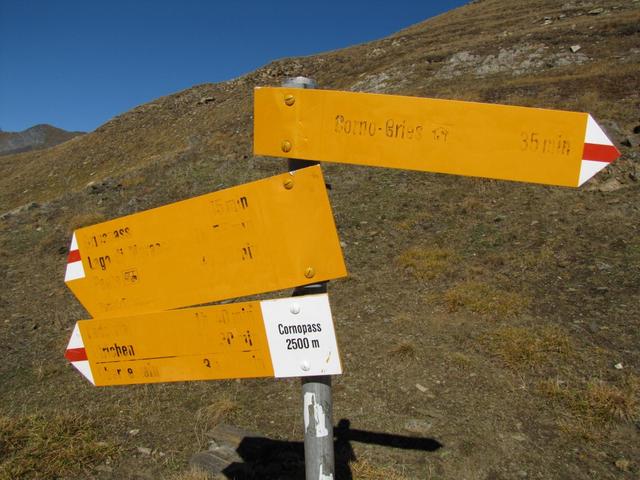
<point x="499" y="319"/>
<point x="472" y="53"/>
<point x="34" y="138"/>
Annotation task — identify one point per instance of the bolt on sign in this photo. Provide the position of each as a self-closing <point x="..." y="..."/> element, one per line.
<point x="446" y="136"/>
<point x="289" y="337"/>
<point x="267" y="235"/>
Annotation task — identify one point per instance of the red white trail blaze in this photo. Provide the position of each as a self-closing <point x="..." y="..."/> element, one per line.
<point x="598" y="151"/>
<point x="75" y="270"/>
<point x="77" y="355"/>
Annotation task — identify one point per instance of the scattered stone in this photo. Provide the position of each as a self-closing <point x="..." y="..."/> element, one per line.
<point x="144" y="450"/>
<point x="618" y="366"/>
<point x="204" y="100"/>
<point x="375" y="83"/>
<point x="422" y="388"/>
<point x="102" y="187"/>
<point x="610" y="185"/>
<point x="376" y="52"/>
<point x="222" y="454"/>
<point x="596" y="11"/>
<point x="516" y="60"/>
<point x="575" y="48"/>
<point x="623" y="464"/>
<point x="104" y="468"/>
<point x="417" y="426"/>
<point x="519" y="437"/>
<point x="611" y="128"/>
<point x="133" y="432"/>
<point x="632" y="141"/>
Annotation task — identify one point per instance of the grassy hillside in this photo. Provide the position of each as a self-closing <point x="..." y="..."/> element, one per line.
<point x="492" y="317"/>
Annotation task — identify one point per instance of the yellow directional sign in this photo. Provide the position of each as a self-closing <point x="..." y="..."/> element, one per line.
<point x="266" y="235"/>
<point x="463" y="138"/>
<point x="290" y="337"/>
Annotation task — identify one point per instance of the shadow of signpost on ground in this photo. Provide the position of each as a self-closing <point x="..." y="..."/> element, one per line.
<point x="250" y="457"/>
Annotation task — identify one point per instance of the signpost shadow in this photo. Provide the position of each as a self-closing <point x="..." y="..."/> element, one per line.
<point x="264" y="458"/>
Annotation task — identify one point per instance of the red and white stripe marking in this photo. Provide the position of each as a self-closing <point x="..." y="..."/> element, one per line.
<point x="75" y="270"/>
<point x="77" y="355"/>
<point x="598" y="151"/>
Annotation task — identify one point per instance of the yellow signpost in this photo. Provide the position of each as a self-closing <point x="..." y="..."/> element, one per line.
<point x="462" y="138"/>
<point x="273" y="338"/>
<point x="263" y="236"/>
<point x="279" y="233"/>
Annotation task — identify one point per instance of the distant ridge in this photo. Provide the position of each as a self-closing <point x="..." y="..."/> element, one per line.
<point x="37" y="137"/>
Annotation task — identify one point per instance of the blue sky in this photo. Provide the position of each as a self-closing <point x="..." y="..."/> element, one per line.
<point x="76" y="64"/>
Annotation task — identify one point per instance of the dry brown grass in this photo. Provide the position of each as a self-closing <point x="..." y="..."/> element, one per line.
<point x="223" y="409"/>
<point x="425" y="263"/>
<point x="594" y="404"/>
<point x="364" y="469"/>
<point x="86" y="219"/>
<point x="44" y="447"/>
<point x="529" y="348"/>
<point x="460" y="360"/>
<point x="614" y="403"/>
<point x="485" y="299"/>
<point x="192" y="474"/>
<point x="535" y="260"/>
<point x="404" y="350"/>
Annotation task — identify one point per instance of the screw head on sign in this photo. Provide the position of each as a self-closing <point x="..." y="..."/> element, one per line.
<point x="288" y="183"/>
<point x="286" y="146"/>
<point x="295" y="308"/>
<point x="289" y="100"/>
<point x="305" y="366"/>
<point x="309" y="272"/>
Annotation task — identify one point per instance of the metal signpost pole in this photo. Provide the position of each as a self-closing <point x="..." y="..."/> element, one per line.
<point x="316" y="391"/>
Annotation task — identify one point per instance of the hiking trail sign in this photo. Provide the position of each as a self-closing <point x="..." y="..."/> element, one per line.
<point x="289" y="337"/>
<point x="446" y="136"/>
<point x="267" y="235"/>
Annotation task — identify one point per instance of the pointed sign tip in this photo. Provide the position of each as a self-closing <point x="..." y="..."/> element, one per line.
<point x="588" y="169"/>
<point x="85" y="369"/>
<point x="595" y="133"/>
<point x="598" y="151"/>
<point x="77" y="355"/>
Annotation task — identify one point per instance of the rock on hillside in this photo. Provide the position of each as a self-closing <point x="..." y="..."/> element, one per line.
<point x="34" y="138"/>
